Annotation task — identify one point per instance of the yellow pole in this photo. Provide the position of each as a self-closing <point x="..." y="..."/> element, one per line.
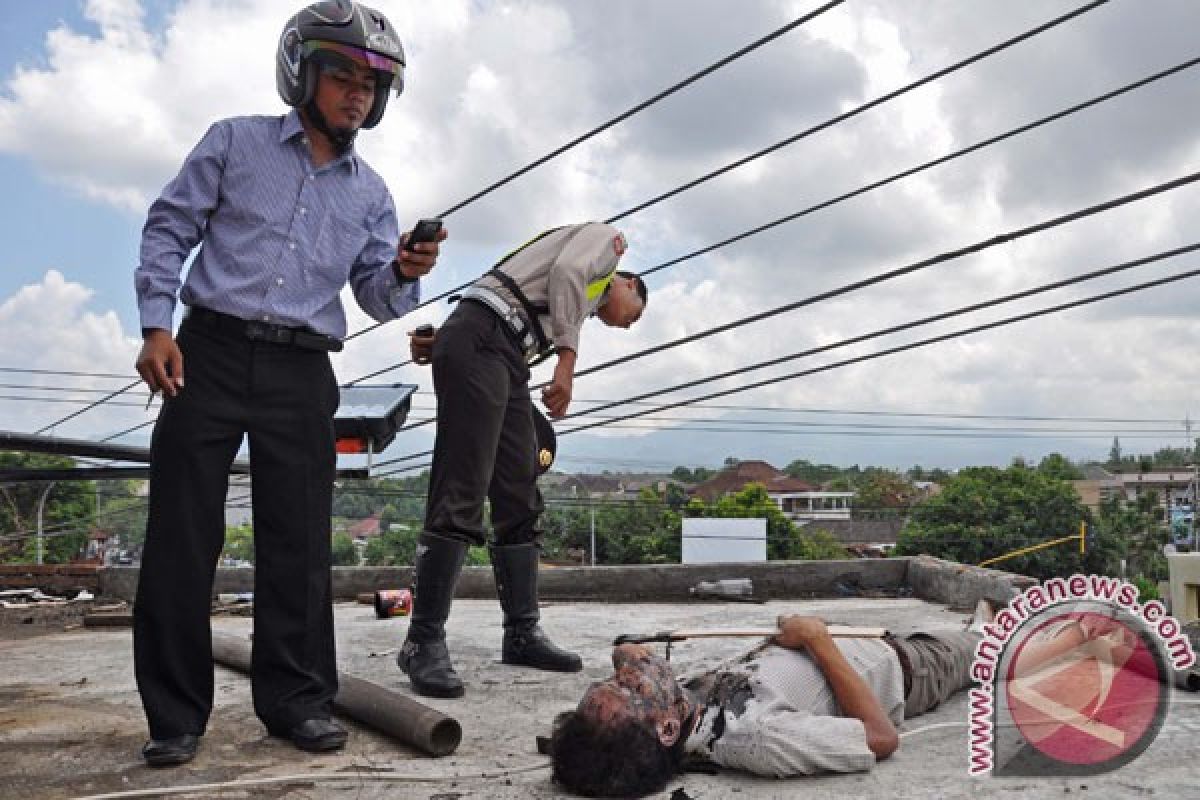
<point x="1082" y="537"/>
<point x="1029" y="549"/>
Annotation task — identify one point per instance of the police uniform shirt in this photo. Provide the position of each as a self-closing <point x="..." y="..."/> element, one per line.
<point x="563" y="270"/>
<point x="771" y="711"/>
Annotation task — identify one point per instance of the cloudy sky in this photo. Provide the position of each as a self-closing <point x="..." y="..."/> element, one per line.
<point x="101" y="99"/>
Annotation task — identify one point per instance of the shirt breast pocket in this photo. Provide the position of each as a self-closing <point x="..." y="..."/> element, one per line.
<point x="339" y="243"/>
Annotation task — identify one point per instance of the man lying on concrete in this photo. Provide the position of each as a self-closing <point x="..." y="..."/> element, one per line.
<point x="798" y="704"/>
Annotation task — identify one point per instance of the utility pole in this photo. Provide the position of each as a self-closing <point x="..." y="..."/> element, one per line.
<point x="1194" y="487"/>
<point x="593" y="535"/>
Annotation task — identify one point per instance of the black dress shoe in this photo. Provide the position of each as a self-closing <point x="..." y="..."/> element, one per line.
<point x="314" y="735"/>
<point x="171" y="752"/>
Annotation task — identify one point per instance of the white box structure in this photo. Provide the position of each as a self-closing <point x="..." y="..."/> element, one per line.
<point x="1185" y="586"/>
<point x="709" y="540"/>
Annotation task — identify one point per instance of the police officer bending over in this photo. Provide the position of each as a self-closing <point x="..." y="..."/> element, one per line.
<point x="285" y="213"/>
<point x="532" y="304"/>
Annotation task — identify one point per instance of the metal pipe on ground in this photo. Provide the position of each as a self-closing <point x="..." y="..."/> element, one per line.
<point x="400" y="717"/>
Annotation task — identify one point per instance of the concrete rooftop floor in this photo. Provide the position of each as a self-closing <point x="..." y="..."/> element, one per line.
<point x="71" y="723"/>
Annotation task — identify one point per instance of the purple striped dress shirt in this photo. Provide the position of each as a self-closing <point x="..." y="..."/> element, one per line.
<point x="278" y="237"/>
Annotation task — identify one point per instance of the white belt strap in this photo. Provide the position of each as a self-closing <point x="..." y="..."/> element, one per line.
<point x="511" y="316"/>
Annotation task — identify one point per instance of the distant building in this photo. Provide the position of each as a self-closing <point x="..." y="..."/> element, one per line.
<point x="584" y="485"/>
<point x="365" y="529"/>
<point x="1097" y="485"/>
<point x="799" y="500"/>
<point x="1175" y="487"/>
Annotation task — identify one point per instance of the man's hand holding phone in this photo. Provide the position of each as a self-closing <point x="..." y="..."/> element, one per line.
<point x="419" y="249"/>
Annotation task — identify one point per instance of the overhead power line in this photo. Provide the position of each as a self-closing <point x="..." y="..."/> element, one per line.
<point x="861" y="190"/>
<point x="859" y="359"/>
<point x="87" y="408"/>
<point x="70" y="400"/>
<point x="711" y="68"/>
<point x="1029" y="34"/>
<point x="973" y="307"/>
<point x="903" y="348"/>
<point x="875" y="280"/>
<point x="934" y="414"/>
<point x="1066" y="112"/>
<point x="600" y="129"/>
<point x="54" y="388"/>
<point x="64" y="373"/>
<point x="950" y="255"/>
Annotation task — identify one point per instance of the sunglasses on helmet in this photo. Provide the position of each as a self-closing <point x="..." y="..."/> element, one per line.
<point x="343" y="55"/>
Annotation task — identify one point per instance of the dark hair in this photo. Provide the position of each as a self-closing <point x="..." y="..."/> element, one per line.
<point x="638" y="283"/>
<point x="622" y="760"/>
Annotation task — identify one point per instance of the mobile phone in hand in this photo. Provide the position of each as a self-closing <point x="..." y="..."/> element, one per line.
<point x="426" y="230"/>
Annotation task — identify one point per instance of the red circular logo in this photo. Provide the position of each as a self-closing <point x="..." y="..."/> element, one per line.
<point x="1085" y="688"/>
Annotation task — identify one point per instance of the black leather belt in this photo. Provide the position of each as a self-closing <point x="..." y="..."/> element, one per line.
<point x="263" y="331"/>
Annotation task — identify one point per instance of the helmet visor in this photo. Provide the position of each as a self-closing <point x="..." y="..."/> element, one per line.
<point x="339" y="54"/>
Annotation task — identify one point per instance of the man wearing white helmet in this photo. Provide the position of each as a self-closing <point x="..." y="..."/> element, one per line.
<point x="285" y="213"/>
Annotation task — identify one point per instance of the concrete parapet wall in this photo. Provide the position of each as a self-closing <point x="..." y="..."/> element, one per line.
<point x="50" y="577"/>
<point x="961" y="585"/>
<point x="665" y="582"/>
<point x="929" y="578"/>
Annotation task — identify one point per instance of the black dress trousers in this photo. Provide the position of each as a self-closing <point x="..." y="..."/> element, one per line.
<point x="485" y="445"/>
<point x="283" y="398"/>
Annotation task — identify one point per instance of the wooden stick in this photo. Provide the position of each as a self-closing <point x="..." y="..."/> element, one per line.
<point x="837" y="631"/>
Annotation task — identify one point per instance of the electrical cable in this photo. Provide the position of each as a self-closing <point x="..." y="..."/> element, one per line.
<point x="980" y="56"/>
<point x="911" y="346"/>
<point x="863" y="337"/>
<point x="69" y="400"/>
<point x="875" y="185"/>
<point x="87" y="408"/>
<point x="645" y="104"/>
<point x="949" y="255"/>
<point x="1054" y="285"/>
<point x="65" y="373"/>
<point x="976" y="247"/>
<point x="600" y="129"/>
<point x="925" y="166"/>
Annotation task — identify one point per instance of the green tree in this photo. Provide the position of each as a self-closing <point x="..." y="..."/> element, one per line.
<point x="676" y="497"/>
<point x="641" y="531"/>
<point x="1059" y="466"/>
<point x="67" y="513"/>
<point x="821" y="545"/>
<point x="1140" y="534"/>
<point x="345" y="554"/>
<point x="394" y="546"/>
<point x="819" y="474"/>
<point x="121" y="511"/>
<point x="784" y="540"/>
<point x="1114" y="452"/>
<point x="984" y="512"/>
<point x="239" y="543"/>
<point x="882" y="492"/>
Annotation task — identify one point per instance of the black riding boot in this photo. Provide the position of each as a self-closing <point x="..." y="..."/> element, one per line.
<point x="525" y="644"/>
<point x="424" y="656"/>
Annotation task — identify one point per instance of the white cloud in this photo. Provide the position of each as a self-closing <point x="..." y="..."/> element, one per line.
<point x="492" y="85"/>
<point x="49" y="324"/>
